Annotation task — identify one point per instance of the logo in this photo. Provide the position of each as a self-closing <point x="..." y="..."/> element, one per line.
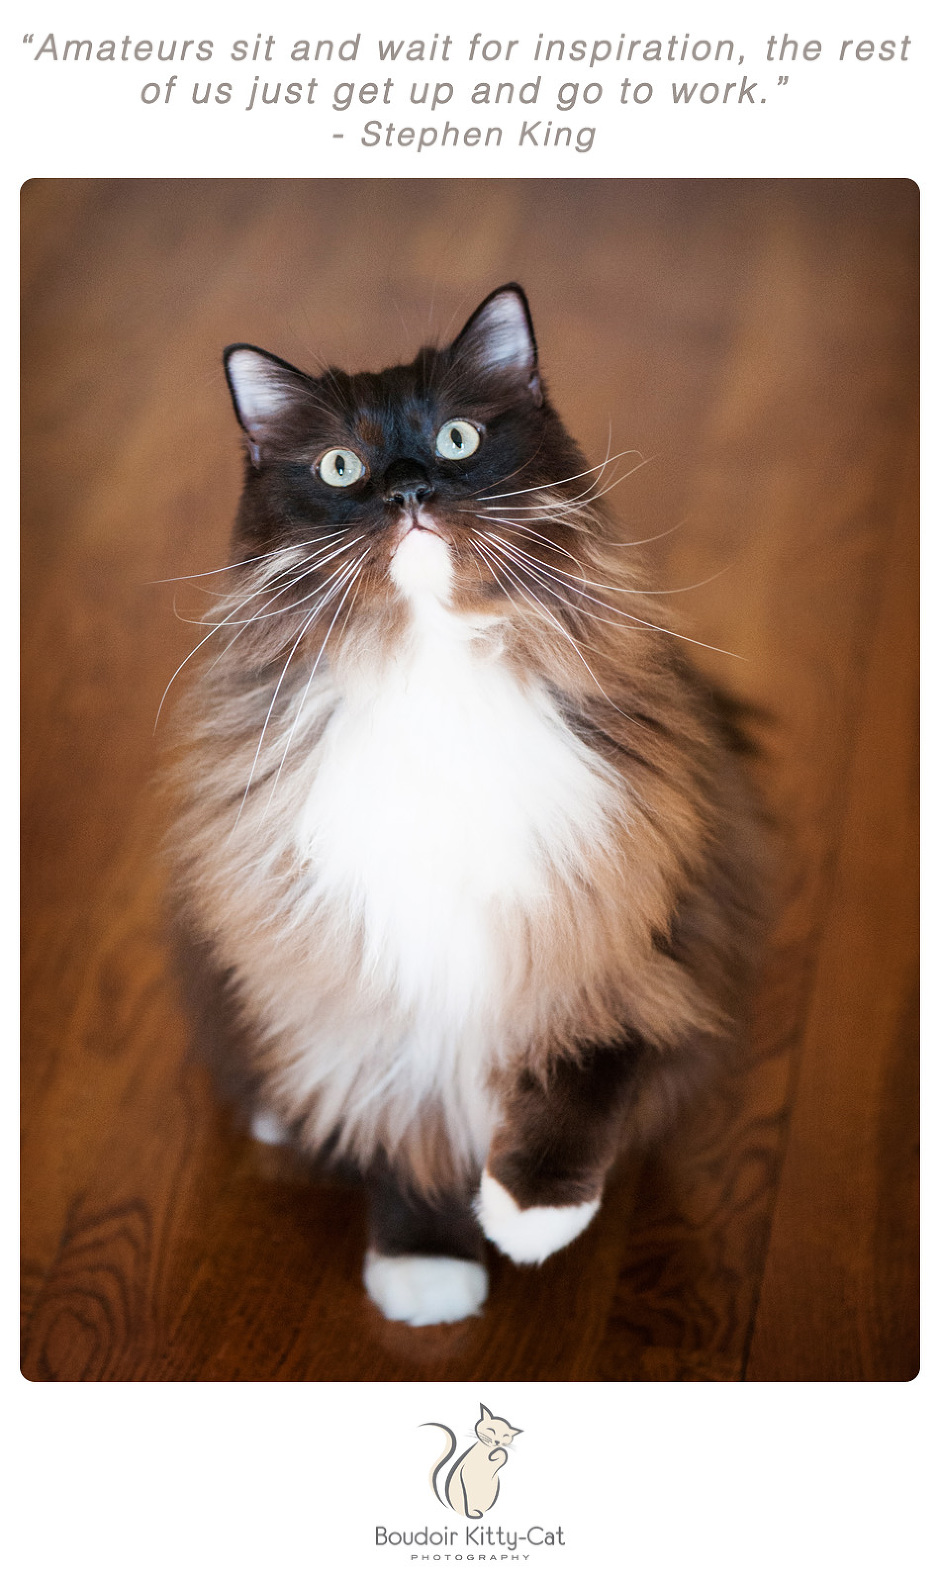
<point x="471" y="1485"/>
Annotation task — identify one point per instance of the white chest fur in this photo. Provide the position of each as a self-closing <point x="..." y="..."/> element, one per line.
<point x="445" y="795"/>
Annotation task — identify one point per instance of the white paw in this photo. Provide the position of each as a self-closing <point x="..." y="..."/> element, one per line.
<point x="265" y="1126"/>
<point x="425" y="1289"/>
<point x="528" y="1234"/>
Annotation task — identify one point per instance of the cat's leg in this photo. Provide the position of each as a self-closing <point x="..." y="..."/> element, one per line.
<point x="424" y="1262"/>
<point x="555" y="1143"/>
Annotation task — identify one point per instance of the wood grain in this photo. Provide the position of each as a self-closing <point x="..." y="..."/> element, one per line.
<point x="756" y="342"/>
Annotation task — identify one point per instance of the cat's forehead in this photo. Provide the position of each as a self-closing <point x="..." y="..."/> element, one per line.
<point x="393" y="390"/>
<point x="408" y="394"/>
<point x="386" y="410"/>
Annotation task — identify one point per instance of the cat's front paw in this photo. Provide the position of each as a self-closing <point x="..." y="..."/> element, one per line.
<point x="528" y="1234"/>
<point x="421" y="1290"/>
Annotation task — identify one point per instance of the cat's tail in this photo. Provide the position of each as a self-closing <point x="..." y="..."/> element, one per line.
<point x="439" y="1464"/>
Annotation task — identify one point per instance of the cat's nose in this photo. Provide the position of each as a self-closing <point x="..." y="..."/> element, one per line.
<point x="407" y="485"/>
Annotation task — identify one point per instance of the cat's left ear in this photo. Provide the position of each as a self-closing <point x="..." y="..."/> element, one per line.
<point x="485" y="1414"/>
<point x="500" y="337"/>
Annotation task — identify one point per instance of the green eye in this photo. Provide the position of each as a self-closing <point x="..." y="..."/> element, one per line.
<point x="457" y="439"/>
<point x="340" y="468"/>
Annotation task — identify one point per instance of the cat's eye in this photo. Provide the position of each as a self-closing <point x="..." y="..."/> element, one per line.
<point x="340" y="468"/>
<point x="457" y="439"/>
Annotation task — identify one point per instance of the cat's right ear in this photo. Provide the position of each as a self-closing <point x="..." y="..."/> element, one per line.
<point x="263" y="389"/>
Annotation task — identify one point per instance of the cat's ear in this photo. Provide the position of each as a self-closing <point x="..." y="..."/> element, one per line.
<point x="485" y="1414"/>
<point x="263" y="389"/>
<point x="499" y="336"/>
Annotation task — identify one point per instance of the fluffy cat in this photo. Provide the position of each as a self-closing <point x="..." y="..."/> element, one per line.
<point x="472" y="1484"/>
<point x="464" y="847"/>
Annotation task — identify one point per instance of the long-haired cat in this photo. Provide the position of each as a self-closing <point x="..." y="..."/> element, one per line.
<point x="471" y="1486"/>
<point x="463" y="842"/>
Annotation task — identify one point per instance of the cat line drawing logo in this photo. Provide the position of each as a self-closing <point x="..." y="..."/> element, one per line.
<point x="471" y="1485"/>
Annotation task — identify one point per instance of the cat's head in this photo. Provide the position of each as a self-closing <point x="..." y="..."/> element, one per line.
<point x="493" y="1431"/>
<point x="450" y="479"/>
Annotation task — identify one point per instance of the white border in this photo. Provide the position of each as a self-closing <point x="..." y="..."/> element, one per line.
<point x="229" y="1479"/>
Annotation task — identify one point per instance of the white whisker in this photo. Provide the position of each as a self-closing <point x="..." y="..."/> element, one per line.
<point x="306" y="570"/>
<point x="533" y="597"/>
<point x="637" y="543"/>
<point x="338" y="576"/>
<point x="531" y="533"/>
<point x="624" y="613"/>
<point x="558" y="509"/>
<point x="240" y="626"/>
<point x="201" y="643"/>
<point x="275" y="585"/>
<point x="252" y="560"/>
<point x="634" y="592"/>
<point x="300" y="707"/>
<point x="559" y="483"/>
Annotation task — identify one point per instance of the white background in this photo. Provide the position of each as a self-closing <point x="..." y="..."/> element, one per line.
<point x="857" y="118"/>
<point x="650" y="1480"/>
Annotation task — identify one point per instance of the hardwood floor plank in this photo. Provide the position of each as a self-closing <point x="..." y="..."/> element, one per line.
<point x="845" y="1223"/>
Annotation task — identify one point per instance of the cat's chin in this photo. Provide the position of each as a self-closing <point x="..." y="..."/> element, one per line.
<point x="421" y="564"/>
<point x="528" y="1234"/>
<point x="422" y="1290"/>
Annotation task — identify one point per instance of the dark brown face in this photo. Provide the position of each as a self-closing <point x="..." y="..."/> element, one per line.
<point x="441" y="477"/>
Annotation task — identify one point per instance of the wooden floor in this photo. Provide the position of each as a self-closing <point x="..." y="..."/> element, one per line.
<point x="758" y="342"/>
